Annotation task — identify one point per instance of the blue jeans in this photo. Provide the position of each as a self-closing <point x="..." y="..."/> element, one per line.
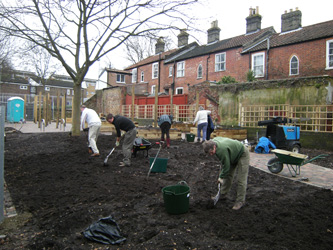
<point x="203" y="127"/>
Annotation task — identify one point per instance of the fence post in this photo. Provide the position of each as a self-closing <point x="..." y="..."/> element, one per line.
<point x="2" y="132"/>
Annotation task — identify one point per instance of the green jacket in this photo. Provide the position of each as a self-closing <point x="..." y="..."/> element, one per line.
<point x="229" y="152"/>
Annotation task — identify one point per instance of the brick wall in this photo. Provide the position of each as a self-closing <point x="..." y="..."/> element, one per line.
<point x="311" y="56"/>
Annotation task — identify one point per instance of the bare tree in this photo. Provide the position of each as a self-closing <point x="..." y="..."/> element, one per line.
<point x="141" y="47"/>
<point x="39" y="60"/>
<point x="78" y="33"/>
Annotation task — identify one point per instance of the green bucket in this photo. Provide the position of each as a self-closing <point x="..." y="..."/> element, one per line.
<point x="190" y="137"/>
<point x="176" y="198"/>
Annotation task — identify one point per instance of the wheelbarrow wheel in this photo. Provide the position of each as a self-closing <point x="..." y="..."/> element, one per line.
<point x="295" y="149"/>
<point x="275" y="166"/>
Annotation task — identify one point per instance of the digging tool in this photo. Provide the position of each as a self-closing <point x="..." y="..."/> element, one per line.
<point x="107" y="157"/>
<point x="152" y="165"/>
<point x="217" y="196"/>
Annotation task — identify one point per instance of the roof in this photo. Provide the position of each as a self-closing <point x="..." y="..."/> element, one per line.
<point x="308" y="33"/>
<point x="234" y="42"/>
<point x="118" y="71"/>
<point x="162" y="56"/>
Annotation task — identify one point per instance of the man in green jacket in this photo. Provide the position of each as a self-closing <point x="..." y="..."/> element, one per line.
<point x="234" y="156"/>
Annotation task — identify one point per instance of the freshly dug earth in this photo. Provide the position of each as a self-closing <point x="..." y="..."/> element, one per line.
<point x="58" y="191"/>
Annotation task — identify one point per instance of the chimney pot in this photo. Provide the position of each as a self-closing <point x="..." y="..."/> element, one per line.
<point x="253" y="21"/>
<point x="182" y="38"/>
<point x="291" y="21"/>
<point x="213" y="32"/>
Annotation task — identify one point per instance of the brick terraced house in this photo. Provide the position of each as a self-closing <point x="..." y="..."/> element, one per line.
<point x="294" y="52"/>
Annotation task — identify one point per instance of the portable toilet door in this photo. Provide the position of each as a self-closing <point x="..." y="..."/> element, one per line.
<point x="15" y="109"/>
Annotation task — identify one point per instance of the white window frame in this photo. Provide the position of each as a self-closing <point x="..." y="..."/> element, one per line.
<point x="199" y="71"/>
<point x="154" y="71"/>
<point x="68" y="92"/>
<point x="153" y="88"/>
<point x="23" y="87"/>
<point x="293" y="66"/>
<point x="121" y="78"/>
<point x="220" y="62"/>
<point x="134" y="75"/>
<point x="142" y="76"/>
<point x="181" y="69"/>
<point x="47" y="89"/>
<point x="179" y="89"/>
<point x="329" y="54"/>
<point x="258" y="66"/>
<point x="170" y="71"/>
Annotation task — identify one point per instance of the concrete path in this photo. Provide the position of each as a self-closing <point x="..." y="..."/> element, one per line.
<point x="309" y="173"/>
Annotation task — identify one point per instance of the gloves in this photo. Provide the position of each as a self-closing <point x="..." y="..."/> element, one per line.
<point x="220" y="180"/>
<point x="117" y="143"/>
<point x="86" y="129"/>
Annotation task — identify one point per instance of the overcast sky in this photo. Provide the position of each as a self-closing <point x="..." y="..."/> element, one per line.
<point x="231" y="16"/>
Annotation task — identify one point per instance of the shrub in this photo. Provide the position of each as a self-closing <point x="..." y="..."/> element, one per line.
<point x="250" y="76"/>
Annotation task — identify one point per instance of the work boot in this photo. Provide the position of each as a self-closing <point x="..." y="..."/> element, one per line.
<point x="238" y="205"/>
<point x="95" y="155"/>
<point x="168" y="142"/>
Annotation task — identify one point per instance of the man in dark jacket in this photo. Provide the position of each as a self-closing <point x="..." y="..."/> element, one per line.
<point x="210" y="127"/>
<point x="125" y="124"/>
<point x="234" y="156"/>
<point x="164" y="122"/>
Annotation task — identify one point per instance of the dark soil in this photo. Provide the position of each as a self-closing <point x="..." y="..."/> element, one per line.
<point x="58" y="191"/>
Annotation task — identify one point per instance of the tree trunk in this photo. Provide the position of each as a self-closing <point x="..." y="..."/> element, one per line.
<point x="76" y="119"/>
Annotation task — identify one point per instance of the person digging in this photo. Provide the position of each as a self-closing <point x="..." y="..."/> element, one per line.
<point x="125" y="124"/>
<point x="164" y="122"/>
<point x="234" y="157"/>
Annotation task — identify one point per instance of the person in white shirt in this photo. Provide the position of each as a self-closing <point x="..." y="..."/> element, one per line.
<point x="202" y="119"/>
<point x="94" y="125"/>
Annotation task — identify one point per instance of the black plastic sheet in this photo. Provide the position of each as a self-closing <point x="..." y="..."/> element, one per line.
<point x="105" y="231"/>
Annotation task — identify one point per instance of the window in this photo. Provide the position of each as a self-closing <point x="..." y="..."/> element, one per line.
<point x="179" y="91"/>
<point x="293" y="66"/>
<point x="181" y="69"/>
<point x="258" y="64"/>
<point x="121" y="78"/>
<point x="47" y="88"/>
<point x="68" y="92"/>
<point x="329" y="54"/>
<point x="153" y="89"/>
<point x="220" y="62"/>
<point x="200" y="71"/>
<point x="155" y="71"/>
<point x="170" y="71"/>
<point x="23" y="87"/>
<point x="134" y="75"/>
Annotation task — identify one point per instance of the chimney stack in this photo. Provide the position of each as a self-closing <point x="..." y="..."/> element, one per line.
<point x="213" y="32"/>
<point x="159" y="46"/>
<point x="291" y="21"/>
<point x="253" y="21"/>
<point x="182" y="38"/>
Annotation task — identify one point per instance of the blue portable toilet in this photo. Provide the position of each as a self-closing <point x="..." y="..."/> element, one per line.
<point x="15" y="109"/>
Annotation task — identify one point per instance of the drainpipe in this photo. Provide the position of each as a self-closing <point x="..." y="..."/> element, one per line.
<point x="207" y="67"/>
<point x="159" y="73"/>
<point x="267" y="57"/>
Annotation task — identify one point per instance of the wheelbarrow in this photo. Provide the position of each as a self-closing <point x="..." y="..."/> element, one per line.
<point x="292" y="160"/>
